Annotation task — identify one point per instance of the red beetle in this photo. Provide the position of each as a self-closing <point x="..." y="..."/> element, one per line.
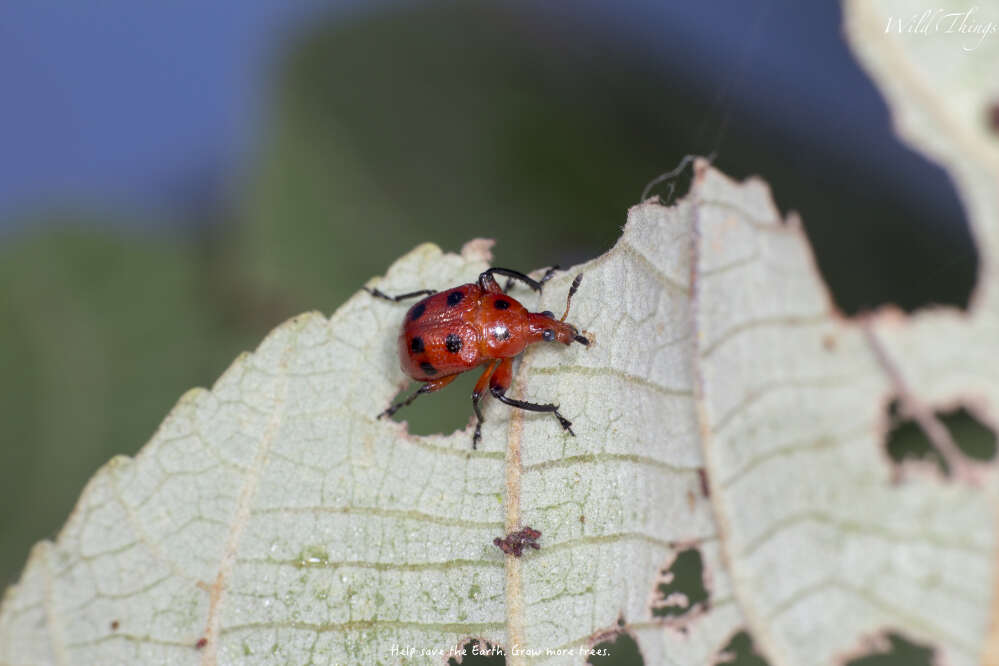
<point x="451" y="332"/>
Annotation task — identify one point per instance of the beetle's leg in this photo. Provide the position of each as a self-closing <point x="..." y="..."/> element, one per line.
<point x="400" y="297"/>
<point x="500" y="382"/>
<point x="544" y="278"/>
<point x="429" y="387"/>
<point x="488" y="283"/>
<point x="477" y="393"/>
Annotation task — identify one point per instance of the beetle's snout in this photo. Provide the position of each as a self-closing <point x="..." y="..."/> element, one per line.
<point x="543" y="327"/>
<point x="577" y="337"/>
<point x="573" y="336"/>
<point x="569" y="334"/>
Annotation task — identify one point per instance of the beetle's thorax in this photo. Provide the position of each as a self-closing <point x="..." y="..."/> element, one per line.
<point x="502" y="321"/>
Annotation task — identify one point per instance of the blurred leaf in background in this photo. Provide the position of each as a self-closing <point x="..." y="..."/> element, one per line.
<point x="99" y="333"/>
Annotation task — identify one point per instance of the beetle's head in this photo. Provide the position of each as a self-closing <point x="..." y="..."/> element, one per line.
<point x="544" y="326"/>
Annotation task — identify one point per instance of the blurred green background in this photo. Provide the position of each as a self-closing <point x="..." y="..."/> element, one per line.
<point x="411" y="122"/>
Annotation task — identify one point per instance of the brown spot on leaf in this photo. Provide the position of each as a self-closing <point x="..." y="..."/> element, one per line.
<point x="702" y="475"/>
<point x="515" y="542"/>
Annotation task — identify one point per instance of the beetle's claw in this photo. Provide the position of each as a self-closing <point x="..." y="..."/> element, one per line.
<point x="548" y="275"/>
<point x="564" y="422"/>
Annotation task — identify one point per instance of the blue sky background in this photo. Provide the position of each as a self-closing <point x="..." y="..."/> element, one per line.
<point x="129" y="105"/>
<point x="151" y="107"/>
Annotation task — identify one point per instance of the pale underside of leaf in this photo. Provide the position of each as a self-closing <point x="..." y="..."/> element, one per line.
<point x="276" y="517"/>
<point x="940" y="84"/>
<point x="793" y="401"/>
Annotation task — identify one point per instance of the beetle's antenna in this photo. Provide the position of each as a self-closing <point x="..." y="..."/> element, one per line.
<point x="572" y="290"/>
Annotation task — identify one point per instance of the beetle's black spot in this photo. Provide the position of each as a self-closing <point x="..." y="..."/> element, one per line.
<point x="548" y="334"/>
<point x="416" y="344"/>
<point x="454" y="298"/>
<point x="501" y="304"/>
<point x="417" y="311"/>
<point x="428" y="368"/>
<point x="453" y="343"/>
<point x="501" y="333"/>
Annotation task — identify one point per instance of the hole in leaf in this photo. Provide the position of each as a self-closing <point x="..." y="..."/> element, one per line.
<point x="906" y="440"/>
<point x="618" y="649"/>
<point x="974" y="438"/>
<point x="892" y="649"/>
<point x="440" y="412"/>
<point x="740" y="651"/>
<point x="681" y="590"/>
<point x="479" y="653"/>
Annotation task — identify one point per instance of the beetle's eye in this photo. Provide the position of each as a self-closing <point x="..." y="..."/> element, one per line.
<point x="548" y="313"/>
<point x="548" y="334"/>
